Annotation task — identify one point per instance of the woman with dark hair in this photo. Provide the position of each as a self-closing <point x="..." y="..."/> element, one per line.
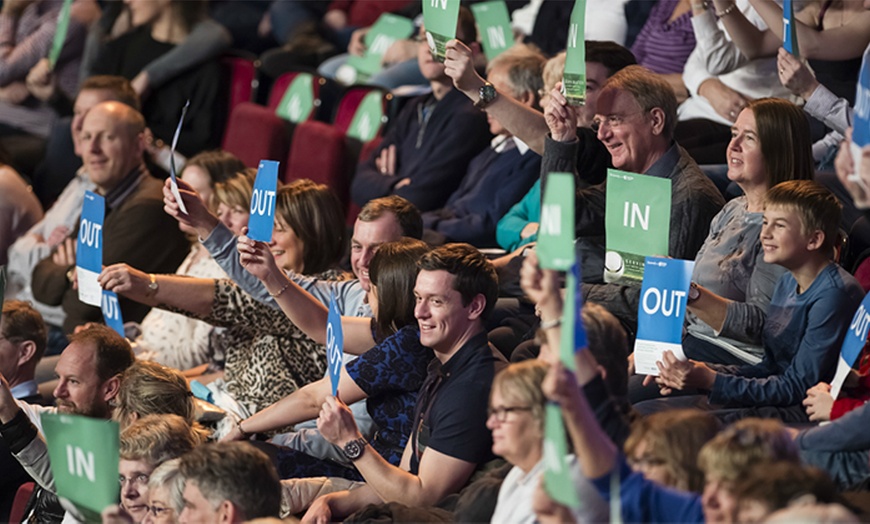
<point x="388" y="375"/>
<point x="266" y="357"/>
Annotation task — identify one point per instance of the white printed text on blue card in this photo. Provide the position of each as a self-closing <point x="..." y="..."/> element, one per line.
<point x="112" y="312"/>
<point x="661" y="312"/>
<point x="263" y="202"/>
<point x="334" y="343"/>
<point x="852" y="345"/>
<point x="89" y="249"/>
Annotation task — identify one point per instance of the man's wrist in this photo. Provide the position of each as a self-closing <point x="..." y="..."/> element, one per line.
<point x="473" y="91"/>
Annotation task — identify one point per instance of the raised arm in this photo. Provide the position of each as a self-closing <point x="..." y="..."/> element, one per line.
<point x="523" y="122"/>
<point x="306" y="312"/>
<point x="195" y="295"/>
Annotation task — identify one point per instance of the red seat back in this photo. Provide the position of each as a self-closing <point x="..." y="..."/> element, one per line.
<point x="255" y="133"/>
<point x="16" y="514"/>
<point x="318" y="153"/>
<point x="240" y="72"/>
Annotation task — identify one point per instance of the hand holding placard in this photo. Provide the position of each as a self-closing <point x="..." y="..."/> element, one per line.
<point x="334" y="343"/>
<point x="89" y="249"/>
<point x="263" y="201"/>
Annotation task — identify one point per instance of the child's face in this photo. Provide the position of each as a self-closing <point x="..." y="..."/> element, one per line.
<point x="783" y="239"/>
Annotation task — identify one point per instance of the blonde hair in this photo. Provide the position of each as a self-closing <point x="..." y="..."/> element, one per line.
<point x="236" y="191"/>
<point x="745" y="444"/>
<point x="157" y="438"/>
<point x="521" y="383"/>
<point x="149" y="388"/>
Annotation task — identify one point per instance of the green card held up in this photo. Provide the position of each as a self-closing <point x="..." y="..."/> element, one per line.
<point x="556" y="234"/>
<point x="637" y="223"/>
<point x="84" y="460"/>
<point x="298" y="101"/>
<point x="557" y="469"/>
<point x="368" y="118"/>
<point x="59" y="33"/>
<point x="494" y="27"/>
<point x="574" y="77"/>
<point x="387" y="29"/>
<point x="439" y="19"/>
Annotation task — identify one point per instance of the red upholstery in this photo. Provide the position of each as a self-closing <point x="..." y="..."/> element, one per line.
<point x="318" y="153"/>
<point x="255" y="133"/>
<point x="240" y="72"/>
<point x="16" y="514"/>
<point x="348" y="105"/>
<point x="367" y="151"/>
<point x="862" y="274"/>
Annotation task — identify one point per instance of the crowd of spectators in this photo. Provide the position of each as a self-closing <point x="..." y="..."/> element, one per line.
<point x="453" y="366"/>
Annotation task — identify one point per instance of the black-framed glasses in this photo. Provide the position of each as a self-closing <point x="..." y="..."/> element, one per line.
<point x="156" y="511"/>
<point x="501" y="412"/>
<point x="139" y="480"/>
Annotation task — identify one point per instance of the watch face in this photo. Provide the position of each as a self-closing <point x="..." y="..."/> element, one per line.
<point x="353" y="449"/>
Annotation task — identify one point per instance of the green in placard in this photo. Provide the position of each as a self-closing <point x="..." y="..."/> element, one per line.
<point x="59" y="33"/>
<point x="298" y="101"/>
<point x="637" y="223"/>
<point x="84" y="460"/>
<point x="368" y="117"/>
<point x="556" y="234"/>
<point x="386" y="30"/>
<point x="494" y="26"/>
<point x="439" y="19"/>
<point x="574" y="77"/>
<point x="557" y="472"/>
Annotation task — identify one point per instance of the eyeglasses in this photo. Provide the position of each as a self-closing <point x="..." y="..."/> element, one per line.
<point x="501" y="412"/>
<point x="612" y="121"/>
<point x="646" y="461"/>
<point x="138" y="480"/>
<point x="156" y="511"/>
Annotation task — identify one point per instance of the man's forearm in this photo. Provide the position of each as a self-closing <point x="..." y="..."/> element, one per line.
<point x="523" y="122"/>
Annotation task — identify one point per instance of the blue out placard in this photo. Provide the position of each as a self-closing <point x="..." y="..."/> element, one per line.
<point x="789" y="29"/>
<point x="89" y="249"/>
<point x="263" y="202"/>
<point x="662" y="310"/>
<point x="112" y="312"/>
<point x="334" y="343"/>
<point x="580" y="341"/>
<point x="852" y="345"/>
<point x="861" y="125"/>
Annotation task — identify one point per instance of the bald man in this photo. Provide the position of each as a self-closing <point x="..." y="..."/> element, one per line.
<point x="135" y="231"/>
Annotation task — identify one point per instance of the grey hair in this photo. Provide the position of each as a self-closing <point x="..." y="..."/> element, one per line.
<point x="525" y="70"/>
<point x="168" y="476"/>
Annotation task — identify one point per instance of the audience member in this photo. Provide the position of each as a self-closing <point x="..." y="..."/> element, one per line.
<point x="497" y="177"/>
<point x="455" y="290"/>
<point x="666" y="41"/>
<point x="771" y="487"/>
<point x="807" y="318"/>
<point x="61" y="219"/>
<point x="166" y="493"/>
<point x="427" y="150"/>
<point x="19" y="208"/>
<point x="228" y="482"/>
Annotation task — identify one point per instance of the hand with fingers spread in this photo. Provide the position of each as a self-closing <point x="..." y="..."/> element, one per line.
<point x="257" y="258"/>
<point x="336" y="422"/>
<point x="844" y="165"/>
<point x="561" y="116"/>
<point x="795" y="75"/>
<point x="65" y="254"/>
<point x="459" y="65"/>
<point x="198" y="217"/>
<point x="819" y="402"/>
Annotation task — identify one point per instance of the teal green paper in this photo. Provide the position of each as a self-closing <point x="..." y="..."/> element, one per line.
<point x="84" y="460"/>
<point x="298" y="101"/>
<point x="493" y="26"/>
<point x="386" y="30"/>
<point x="59" y="34"/>
<point x="439" y="19"/>
<point x="574" y="77"/>
<point x="368" y="117"/>
<point x="637" y="223"/>
<point x="557" y="473"/>
<point x="556" y="233"/>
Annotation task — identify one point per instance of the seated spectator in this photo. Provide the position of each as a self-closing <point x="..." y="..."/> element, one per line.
<point x="27" y="29"/>
<point x="135" y="230"/>
<point x="516" y="419"/>
<point x="429" y="145"/>
<point x="62" y="218"/>
<point x="389" y="371"/>
<point x="149" y="388"/>
<point x="158" y="28"/>
<point x="814" y="514"/>
<point x="664" y="447"/>
<point x="146" y="444"/>
<point x="807" y="317"/>
<point x="267" y="358"/>
<point x="22" y="344"/>
<point x="772" y="487"/>
<point x="165" y="493"/>
<point x="665" y="42"/>
<point x="19" y="208"/>
<point x="455" y="290"/>
<point x="635" y="119"/>
<point x="228" y="482"/>
<point x="173" y="339"/>
<point x="498" y="176"/>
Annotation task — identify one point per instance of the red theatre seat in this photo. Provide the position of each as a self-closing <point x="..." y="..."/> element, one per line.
<point x="318" y="152"/>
